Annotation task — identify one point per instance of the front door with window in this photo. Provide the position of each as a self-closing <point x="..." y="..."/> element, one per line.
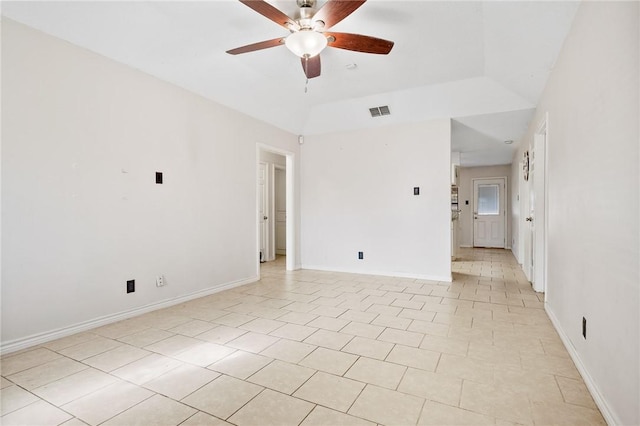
<point x="489" y="212"/>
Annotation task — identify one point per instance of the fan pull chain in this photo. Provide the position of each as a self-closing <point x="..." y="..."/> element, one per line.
<point x="306" y="69"/>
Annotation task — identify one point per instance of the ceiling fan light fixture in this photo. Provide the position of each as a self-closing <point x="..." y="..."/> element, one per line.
<point x="306" y="43"/>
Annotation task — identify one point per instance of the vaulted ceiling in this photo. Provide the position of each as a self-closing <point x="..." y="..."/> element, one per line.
<point x="483" y="64"/>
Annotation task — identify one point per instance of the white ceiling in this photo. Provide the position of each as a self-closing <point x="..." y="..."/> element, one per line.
<point x="484" y="64"/>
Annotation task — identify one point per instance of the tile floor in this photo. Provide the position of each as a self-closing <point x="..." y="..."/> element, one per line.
<point x="316" y="348"/>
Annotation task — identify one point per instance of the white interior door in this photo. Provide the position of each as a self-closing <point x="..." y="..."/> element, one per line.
<point x="489" y="213"/>
<point x="538" y="212"/>
<point x="530" y="220"/>
<point x="280" y="178"/>
<point x="262" y="210"/>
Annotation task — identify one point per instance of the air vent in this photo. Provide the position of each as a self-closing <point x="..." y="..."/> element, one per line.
<point x="379" y="111"/>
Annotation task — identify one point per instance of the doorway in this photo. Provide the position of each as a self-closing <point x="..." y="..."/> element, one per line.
<point x="275" y="205"/>
<point x="489" y="212"/>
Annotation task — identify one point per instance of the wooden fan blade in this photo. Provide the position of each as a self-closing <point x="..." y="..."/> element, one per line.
<point x="359" y="43"/>
<point x="335" y="11"/>
<point x="257" y="46"/>
<point x="268" y="11"/>
<point x="311" y="66"/>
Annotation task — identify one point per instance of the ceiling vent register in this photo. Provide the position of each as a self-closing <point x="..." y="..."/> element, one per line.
<point x="379" y="111"/>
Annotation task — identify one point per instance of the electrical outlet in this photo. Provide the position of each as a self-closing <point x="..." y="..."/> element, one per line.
<point x="160" y="281"/>
<point x="584" y="328"/>
<point x="131" y="286"/>
<point x="360" y="255"/>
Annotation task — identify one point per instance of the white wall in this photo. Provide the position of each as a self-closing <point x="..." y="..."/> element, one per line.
<point x="465" y="193"/>
<point x="357" y="195"/>
<point x="82" y="138"/>
<point x="592" y="98"/>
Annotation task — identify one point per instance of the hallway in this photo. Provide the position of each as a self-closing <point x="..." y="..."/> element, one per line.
<point x="316" y="348"/>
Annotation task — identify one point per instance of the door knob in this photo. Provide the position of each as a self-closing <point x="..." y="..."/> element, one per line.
<point x="265" y="218"/>
<point x="529" y="219"/>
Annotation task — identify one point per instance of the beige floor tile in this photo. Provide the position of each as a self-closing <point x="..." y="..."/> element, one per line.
<point x="204" y="354"/>
<point x="240" y="364"/>
<point x="192" y="328"/>
<point x="407" y="338"/>
<point x="4" y="383"/>
<point x="300" y="307"/>
<point x="182" y="381"/>
<point x="253" y="342"/>
<point x="495" y="402"/>
<point x="561" y="413"/>
<point x="499" y="356"/>
<point x="414" y="314"/>
<point x="432" y="386"/>
<point x="359" y="316"/>
<point x="120" y="329"/>
<point x="321" y="416"/>
<point x="204" y="419"/>
<point x="221" y="334"/>
<point x="329" y="339"/>
<point x="116" y="358"/>
<point x="173" y="345"/>
<point x="65" y="342"/>
<point x="379" y="373"/>
<point x="89" y="348"/>
<point x="329" y="323"/>
<point x="272" y="409"/>
<point x="536" y="385"/>
<point x="368" y="348"/>
<point x="363" y="330"/>
<point x="294" y="332"/>
<point x="329" y="361"/>
<point x="38" y="413"/>
<point x="14" y="363"/>
<point x="414" y="357"/>
<point x="466" y="368"/>
<point x="328" y="311"/>
<point x="436" y="414"/>
<point x="74" y="386"/>
<point x="330" y="391"/>
<point x="393" y="322"/>
<point x="155" y="410"/>
<point x="282" y="376"/>
<point x="262" y="325"/>
<point x="223" y="396"/>
<point x="288" y="350"/>
<point x="387" y="407"/>
<point x="382" y="309"/>
<point x="74" y="422"/>
<point x="46" y="373"/>
<point x="107" y="402"/>
<point x="146" y="369"/>
<point x="14" y="397"/>
<point x="146" y="337"/>
<point x="429" y="328"/>
<point x="300" y="318"/>
<point x="575" y="392"/>
<point x="234" y="320"/>
<point x="549" y="364"/>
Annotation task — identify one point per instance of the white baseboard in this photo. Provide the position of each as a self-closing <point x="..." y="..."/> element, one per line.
<point x="380" y="273"/>
<point x="37" y="339"/>
<point x="608" y="415"/>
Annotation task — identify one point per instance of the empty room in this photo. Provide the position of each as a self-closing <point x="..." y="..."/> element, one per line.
<point x="320" y="212"/>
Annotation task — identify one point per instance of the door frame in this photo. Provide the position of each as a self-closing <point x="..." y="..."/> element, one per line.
<point x="274" y="215"/>
<point x="291" y="202"/>
<point x="540" y="184"/>
<point x="504" y="206"/>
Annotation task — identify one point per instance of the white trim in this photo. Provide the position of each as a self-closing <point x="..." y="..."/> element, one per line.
<point x="379" y="273"/>
<point x="37" y="339"/>
<point x="607" y="413"/>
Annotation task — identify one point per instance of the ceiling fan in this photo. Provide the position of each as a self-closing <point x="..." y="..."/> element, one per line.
<point x="309" y="35"/>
